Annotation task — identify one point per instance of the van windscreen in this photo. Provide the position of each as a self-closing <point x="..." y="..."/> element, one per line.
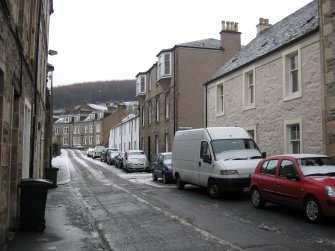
<point x="225" y="145"/>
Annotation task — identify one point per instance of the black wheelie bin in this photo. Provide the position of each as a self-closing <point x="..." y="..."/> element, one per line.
<point x="33" y="200"/>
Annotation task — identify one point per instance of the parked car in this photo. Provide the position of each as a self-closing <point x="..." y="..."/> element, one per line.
<point x="111" y="156"/>
<point x="135" y="160"/>
<point x="161" y="167"/>
<point x="105" y="153"/>
<point x="306" y="181"/>
<point x="97" y="151"/>
<point x="119" y="160"/>
<point x="90" y="152"/>
<point x="220" y="159"/>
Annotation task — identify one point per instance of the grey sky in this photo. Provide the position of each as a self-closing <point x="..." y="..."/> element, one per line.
<point x="110" y="39"/>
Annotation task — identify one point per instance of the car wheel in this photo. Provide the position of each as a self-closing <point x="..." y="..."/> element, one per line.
<point x="213" y="189"/>
<point x="313" y="210"/>
<point x="154" y="177"/>
<point x="179" y="183"/>
<point x="165" y="180"/>
<point x="256" y="199"/>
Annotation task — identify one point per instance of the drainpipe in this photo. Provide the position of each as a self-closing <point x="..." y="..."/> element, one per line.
<point x="33" y="140"/>
<point x="174" y="93"/>
<point x="205" y="105"/>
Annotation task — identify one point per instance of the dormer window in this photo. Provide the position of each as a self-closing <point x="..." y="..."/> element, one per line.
<point x="67" y="119"/>
<point x="92" y="116"/>
<point x="141" y="84"/>
<point x="164" y="65"/>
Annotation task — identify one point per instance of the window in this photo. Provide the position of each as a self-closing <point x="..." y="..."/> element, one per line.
<point x="100" y="115"/>
<point x="65" y="141"/>
<point x="157" y="110"/>
<point x="269" y="167"/>
<point x="98" y="128"/>
<point x="92" y="116"/>
<point x="204" y="149"/>
<point x="76" y="118"/>
<point x="90" y="128"/>
<point x="85" y="140"/>
<point x="166" y="136"/>
<point x="56" y="130"/>
<point x="249" y="89"/>
<point x="167" y="106"/>
<point x="76" y="130"/>
<point x="90" y="140"/>
<point x="164" y="65"/>
<point x="219" y="100"/>
<point x="252" y="131"/>
<point x="86" y="129"/>
<point x="157" y="144"/>
<point x="67" y="119"/>
<point x="287" y="167"/>
<point x="292" y="74"/>
<point x="149" y="113"/>
<point x="97" y="139"/>
<point x="293" y="136"/>
<point x="65" y="130"/>
<point x="142" y="117"/>
<point x="141" y="84"/>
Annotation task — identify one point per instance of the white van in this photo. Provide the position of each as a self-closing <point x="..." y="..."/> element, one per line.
<point x="221" y="159"/>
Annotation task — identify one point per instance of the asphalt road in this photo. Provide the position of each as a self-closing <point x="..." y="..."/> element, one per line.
<point x="132" y="212"/>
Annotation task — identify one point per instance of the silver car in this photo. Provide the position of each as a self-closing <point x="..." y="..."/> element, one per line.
<point x="135" y="160"/>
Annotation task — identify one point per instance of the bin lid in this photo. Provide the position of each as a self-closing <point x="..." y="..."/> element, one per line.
<point x="52" y="168"/>
<point x="35" y="183"/>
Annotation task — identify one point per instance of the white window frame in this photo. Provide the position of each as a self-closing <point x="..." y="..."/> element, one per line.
<point x="219" y="99"/>
<point x="166" y="137"/>
<point x="90" y="128"/>
<point x="90" y="140"/>
<point x="66" y="130"/>
<point x="143" y="117"/>
<point x="288" y="94"/>
<point x="157" y="144"/>
<point x="97" y="128"/>
<point x="249" y="89"/>
<point x="97" y="139"/>
<point x="56" y="130"/>
<point x="167" y="106"/>
<point x="252" y="128"/>
<point x="65" y="141"/>
<point x="164" y="64"/>
<point x="157" y="110"/>
<point x="149" y="113"/>
<point x="287" y="135"/>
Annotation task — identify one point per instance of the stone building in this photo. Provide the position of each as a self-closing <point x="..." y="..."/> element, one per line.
<point x="24" y="102"/>
<point x="273" y="87"/>
<point x="327" y="44"/>
<point x="89" y="125"/>
<point x="171" y="94"/>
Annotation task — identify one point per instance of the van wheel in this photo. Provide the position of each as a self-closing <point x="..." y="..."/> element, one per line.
<point x="213" y="189"/>
<point x="180" y="184"/>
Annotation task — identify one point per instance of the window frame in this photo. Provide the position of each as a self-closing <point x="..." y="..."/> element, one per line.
<point x="163" y="64"/>
<point x="288" y="94"/>
<point x="288" y="133"/>
<point x="248" y="102"/>
<point x="219" y="111"/>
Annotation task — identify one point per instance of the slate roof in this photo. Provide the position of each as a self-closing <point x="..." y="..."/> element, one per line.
<point x="293" y="27"/>
<point x="209" y="43"/>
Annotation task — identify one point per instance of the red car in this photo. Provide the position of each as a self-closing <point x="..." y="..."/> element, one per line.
<point x="306" y="181"/>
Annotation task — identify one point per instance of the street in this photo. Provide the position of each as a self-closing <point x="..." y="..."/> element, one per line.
<point x="133" y="212"/>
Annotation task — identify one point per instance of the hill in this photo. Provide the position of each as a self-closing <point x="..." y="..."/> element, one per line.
<point x="93" y="92"/>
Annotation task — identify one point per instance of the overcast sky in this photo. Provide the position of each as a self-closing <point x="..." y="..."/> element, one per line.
<point x="116" y="39"/>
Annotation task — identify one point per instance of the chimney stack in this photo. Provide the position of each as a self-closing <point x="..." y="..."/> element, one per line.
<point x="230" y="37"/>
<point x="263" y="25"/>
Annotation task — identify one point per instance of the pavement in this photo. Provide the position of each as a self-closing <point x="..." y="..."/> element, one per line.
<point x="68" y="223"/>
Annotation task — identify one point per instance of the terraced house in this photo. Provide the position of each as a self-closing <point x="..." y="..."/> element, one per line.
<point x="280" y="86"/>
<point x="25" y="120"/>
<point x="170" y="93"/>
